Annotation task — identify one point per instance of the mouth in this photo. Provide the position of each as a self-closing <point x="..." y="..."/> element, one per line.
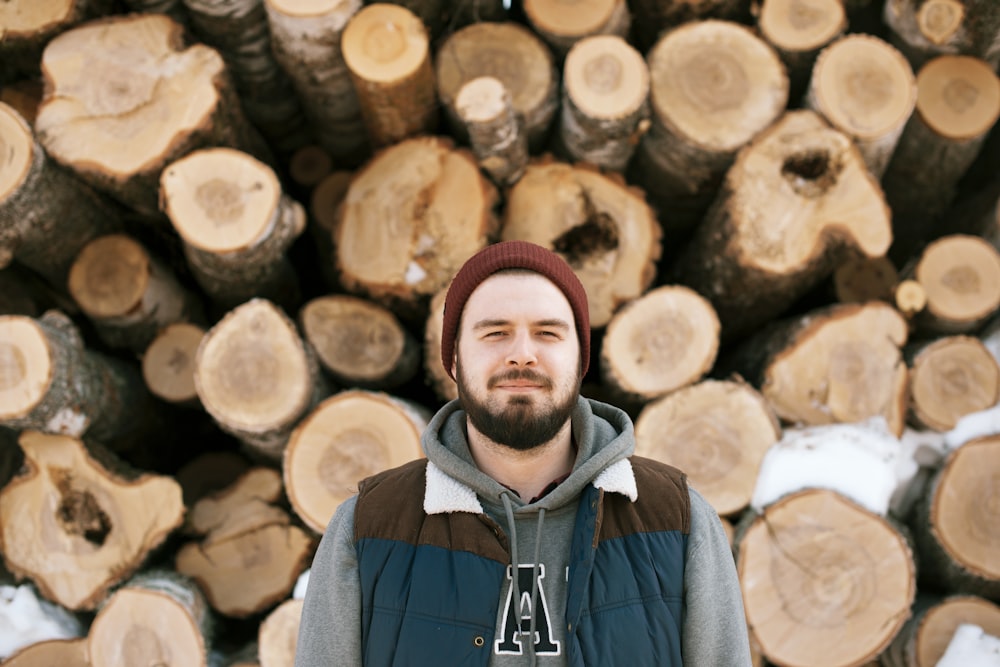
<point x="520" y="382"/>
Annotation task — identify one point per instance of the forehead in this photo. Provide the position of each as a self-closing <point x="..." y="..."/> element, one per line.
<point x="517" y="296"/>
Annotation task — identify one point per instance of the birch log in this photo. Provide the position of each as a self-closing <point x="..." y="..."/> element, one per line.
<point x="78" y="523"/>
<point x="256" y="376"/>
<point x="124" y="98"/>
<point x="790" y="205"/>
<point x="387" y="52"/>
<point x="306" y="41"/>
<point x="713" y="86"/>
<point x="236" y="224"/>
<point x="866" y="89"/>
<point x="495" y="131"/>
<point x="603" y="228"/>
<point x="46" y="214"/>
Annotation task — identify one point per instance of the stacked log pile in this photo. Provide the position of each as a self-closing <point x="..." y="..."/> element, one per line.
<point x="226" y="229"/>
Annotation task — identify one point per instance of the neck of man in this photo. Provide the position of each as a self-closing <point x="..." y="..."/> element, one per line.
<point x="528" y="472"/>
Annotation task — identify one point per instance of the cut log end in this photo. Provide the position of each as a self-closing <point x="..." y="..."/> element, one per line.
<point x="482" y="100"/>
<point x="279" y="633"/>
<point x="350" y="436"/>
<point x="801" y="25"/>
<point x="385" y="43"/>
<point x="950" y="378"/>
<point x="251" y="371"/>
<point x="940" y="622"/>
<point x="62" y="652"/>
<point x="823" y="577"/>
<point x="26" y="365"/>
<point x="168" y="363"/>
<point x="219" y="199"/>
<point x="958" y="96"/>
<point x="324" y="203"/>
<point x="940" y="20"/>
<point x="110" y="276"/>
<point x="961" y="278"/>
<point x="578" y="19"/>
<point x="17" y="151"/>
<point x="606" y="78"/>
<point x="717" y="433"/>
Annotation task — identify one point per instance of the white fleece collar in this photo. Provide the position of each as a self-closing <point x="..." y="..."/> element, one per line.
<point x="444" y="494"/>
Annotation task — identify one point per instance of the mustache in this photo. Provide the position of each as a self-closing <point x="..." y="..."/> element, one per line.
<point x="524" y="374"/>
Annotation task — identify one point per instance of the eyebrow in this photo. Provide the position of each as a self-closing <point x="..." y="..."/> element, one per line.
<point x="555" y="323"/>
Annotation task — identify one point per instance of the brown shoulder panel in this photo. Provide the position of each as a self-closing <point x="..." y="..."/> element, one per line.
<point x="663" y="503"/>
<point x="391" y="506"/>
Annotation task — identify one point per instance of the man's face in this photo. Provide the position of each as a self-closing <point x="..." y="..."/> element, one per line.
<point x="518" y="359"/>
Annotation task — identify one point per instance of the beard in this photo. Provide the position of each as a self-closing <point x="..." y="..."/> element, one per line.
<point x="524" y="423"/>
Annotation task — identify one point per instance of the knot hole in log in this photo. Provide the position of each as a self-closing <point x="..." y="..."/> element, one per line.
<point x="811" y="173"/>
<point x="78" y="511"/>
<point x="596" y="235"/>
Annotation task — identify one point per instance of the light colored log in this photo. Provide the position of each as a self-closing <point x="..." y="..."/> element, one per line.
<point x="26" y="26"/>
<point x="47" y="214"/>
<point x="924" y="638"/>
<point x="62" y="652"/>
<point x="952" y="377"/>
<point x="562" y="24"/>
<point x="257" y="377"/>
<point x="714" y="85"/>
<point x="77" y="523"/>
<point x="324" y="208"/>
<point x="168" y="363"/>
<point x="604" y="102"/>
<point x="444" y="386"/>
<point x="127" y="293"/>
<point x="387" y="53"/>
<point x="659" y="342"/>
<point x="794" y="199"/>
<point x="824" y="581"/>
<point x="717" y="432"/>
<point x="866" y="89"/>
<point x="124" y="98"/>
<point x="603" y="228"/>
<point x="510" y="53"/>
<point x="350" y="436"/>
<point x="927" y="29"/>
<point x="278" y="636"/>
<point x="306" y="38"/>
<point x="410" y="218"/>
<point x="236" y="224"/>
<point x="495" y="130"/>
<point x="961" y="278"/>
<point x="798" y="30"/>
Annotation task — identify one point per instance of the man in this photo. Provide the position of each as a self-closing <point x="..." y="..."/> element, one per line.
<point x="528" y="535"/>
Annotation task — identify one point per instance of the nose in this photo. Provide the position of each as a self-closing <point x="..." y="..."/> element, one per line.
<point x="521" y="351"/>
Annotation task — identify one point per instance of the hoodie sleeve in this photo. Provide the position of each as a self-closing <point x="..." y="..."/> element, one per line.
<point x="715" y="630"/>
<point x="330" y="627"/>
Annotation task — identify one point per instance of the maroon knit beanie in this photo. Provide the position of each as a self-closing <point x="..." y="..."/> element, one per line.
<point x="513" y="255"/>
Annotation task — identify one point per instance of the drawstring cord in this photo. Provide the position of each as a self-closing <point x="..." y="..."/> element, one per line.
<point x="516" y="569"/>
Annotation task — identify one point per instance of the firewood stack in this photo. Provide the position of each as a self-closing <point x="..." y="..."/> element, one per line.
<point x="226" y="227"/>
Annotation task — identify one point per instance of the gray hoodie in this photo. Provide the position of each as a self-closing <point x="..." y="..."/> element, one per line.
<point x="714" y="628"/>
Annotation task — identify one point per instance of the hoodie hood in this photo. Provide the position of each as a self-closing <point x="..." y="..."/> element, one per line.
<point x="604" y="440"/>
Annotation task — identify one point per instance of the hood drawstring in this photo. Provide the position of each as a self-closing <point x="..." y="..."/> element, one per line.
<point x="516" y="572"/>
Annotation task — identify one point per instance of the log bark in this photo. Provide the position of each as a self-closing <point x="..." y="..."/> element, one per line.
<point x="961" y="278"/>
<point x="387" y="52"/>
<point x="922" y="641"/>
<point x="78" y="523"/>
<point x="350" y="436"/>
<point x="62" y="652"/>
<point x="717" y="432"/>
<point x="306" y="40"/>
<point x="563" y="24"/>
<point x="824" y="581"/>
<point x="798" y="30"/>
<point x="53" y="383"/>
<point x="157" y="618"/>
<point x="926" y="29"/>
<point x="866" y="89"/>
<point x="359" y="343"/>
<point x="257" y="377"/>
<point x="128" y="294"/>
<point x="124" y="98"/>
<point x="48" y="215"/>
<point x="168" y="363"/>
<point x="250" y="556"/>
<point x="952" y="377"/>
<point x="604" y="102"/>
<point x="239" y="31"/>
<point x="495" y="131"/>
<point x="793" y="202"/>
<point x="279" y="634"/>
<point x="510" y="53"/>
<point x="657" y="343"/>
<point x="410" y="219"/>
<point x="958" y="101"/>
<point x="714" y="85"/>
<point x="954" y="527"/>
<point x="653" y="18"/>
<point x="24" y="31"/>
<point x="604" y="229"/>
<point x="236" y="224"/>
<point x="840" y="364"/>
